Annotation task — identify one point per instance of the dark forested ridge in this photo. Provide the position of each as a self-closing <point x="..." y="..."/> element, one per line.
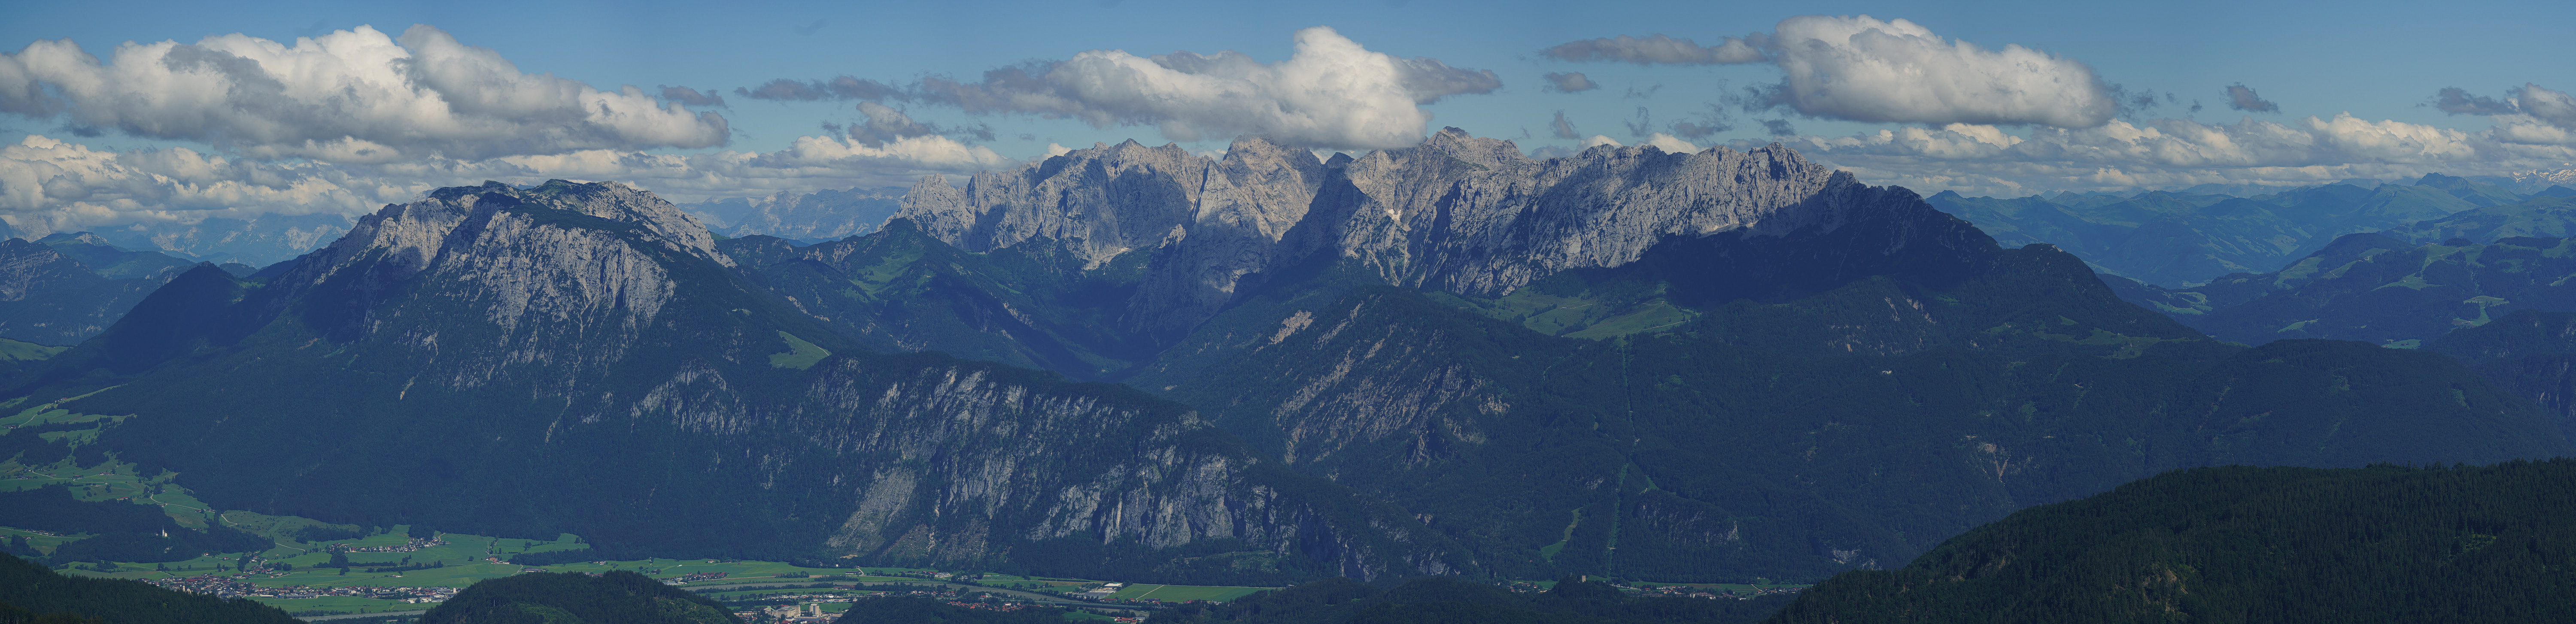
<point x="1816" y="408"/>
<point x="508" y="340"/>
<point x="1445" y="360"/>
<point x="28" y="590"/>
<point x="2377" y="289"/>
<point x="2245" y="544"/>
<point x="2177" y="239"/>
<point x="124" y="532"/>
<point x="2529" y="353"/>
<point x="617" y="597"/>
<point x="1434" y="600"/>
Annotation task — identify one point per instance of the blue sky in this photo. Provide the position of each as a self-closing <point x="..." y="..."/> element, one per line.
<point x="2377" y="61"/>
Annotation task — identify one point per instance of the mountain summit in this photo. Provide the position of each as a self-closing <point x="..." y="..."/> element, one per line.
<point x="579" y="357"/>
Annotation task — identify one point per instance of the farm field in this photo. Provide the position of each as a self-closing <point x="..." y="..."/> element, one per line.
<point x="344" y="604"/>
<point x="1177" y="593"/>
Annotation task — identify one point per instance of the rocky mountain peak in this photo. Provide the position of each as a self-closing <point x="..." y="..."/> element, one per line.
<point x="1461" y="213"/>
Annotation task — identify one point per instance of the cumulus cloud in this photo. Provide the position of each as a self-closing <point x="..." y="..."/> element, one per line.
<point x="841" y="88"/>
<point x="2171" y="153"/>
<point x="1860" y="68"/>
<point x="1560" y="128"/>
<point x="2530" y="102"/>
<point x="2241" y="97"/>
<point x="352" y="96"/>
<point x="692" y="97"/>
<point x="1330" y="93"/>
<point x="1668" y="143"/>
<point x="1657" y="48"/>
<point x="51" y="185"/>
<point x="1568" y="82"/>
<point x="886" y="124"/>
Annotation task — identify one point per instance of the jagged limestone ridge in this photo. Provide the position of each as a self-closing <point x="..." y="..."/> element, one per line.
<point x="576" y="321"/>
<point x="1457" y="213"/>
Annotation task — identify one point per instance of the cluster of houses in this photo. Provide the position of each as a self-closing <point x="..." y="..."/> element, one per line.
<point x="227" y="587"/>
<point x="1686" y="591"/>
<point x="413" y="545"/>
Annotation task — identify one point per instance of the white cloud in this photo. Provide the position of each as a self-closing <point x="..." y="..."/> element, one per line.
<point x="1670" y="144"/>
<point x="2169" y="153"/>
<point x="352" y="96"/>
<point x="1859" y="68"/>
<point x="1568" y="82"/>
<point x="1657" y="48"/>
<point x="2529" y="113"/>
<point x="50" y="185"/>
<point x="1330" y="93"/>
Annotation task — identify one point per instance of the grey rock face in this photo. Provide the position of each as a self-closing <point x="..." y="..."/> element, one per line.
<point x="1457" y="213"/>
<point x="609" y="310"/>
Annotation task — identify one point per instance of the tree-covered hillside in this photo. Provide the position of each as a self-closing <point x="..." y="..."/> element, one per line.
<point x="2377" y="289"/>
<point x="29" y="591"/>
<point x="579" y="358"/>
<point x="617" y="597"/>
<point x="2530" y="353"/>
<point x="2485" y="544"/>
<point x="2176" y="239"/>
<point x="1573" y="600"/>
<point x="1821" y="405"/>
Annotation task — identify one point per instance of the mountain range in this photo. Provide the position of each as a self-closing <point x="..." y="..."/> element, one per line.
<point x="1450" y="359"/>
<point x="2181" y="239"/>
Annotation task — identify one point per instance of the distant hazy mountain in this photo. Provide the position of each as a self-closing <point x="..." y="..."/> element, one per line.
<point x="2377" y="289"/>
<point x="2176" y="239"/>
<point x="2242" y="544"/>
<point x="821" y="215"/>
<point x="2531" y="353"/>
<point x="72" y="286"/>
<point x="257" y="241"/>
<point x="2541" y="215"/>
<point x="113" y="262"/>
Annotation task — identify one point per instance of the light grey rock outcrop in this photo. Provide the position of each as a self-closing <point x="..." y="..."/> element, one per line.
<point x="1457" y="213"/>
<point x="585" y="331"/>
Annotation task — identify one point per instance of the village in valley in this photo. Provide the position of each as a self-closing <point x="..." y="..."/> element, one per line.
<point x="315" y="569"/>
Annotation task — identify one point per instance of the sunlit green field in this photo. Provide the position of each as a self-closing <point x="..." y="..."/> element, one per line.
<point x="1177" y="593"/>
<point x="343" y="604"/>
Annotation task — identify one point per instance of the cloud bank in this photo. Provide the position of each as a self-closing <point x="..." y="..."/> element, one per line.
<point x="1329" y="93"/>
<point x="352" y="120"/>
<point x="2172" y="153"/>
<point x="1859" y="68"/>
<point x="351" y="96"/>
<point x="51" y="185"/>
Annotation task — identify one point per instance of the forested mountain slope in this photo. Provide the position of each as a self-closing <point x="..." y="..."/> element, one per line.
<point x="579" y="357"/>
<point x="51" y="294"/>
<point x="29" y="591"/>
<point x="2175" y="239"/>
<point x="617" y="597"/>
<point x="1708" y="366"/>
<point x="2244" y="544"/>
<point x="2377" y="289"/>
<point x="2530" y="353"/>
<point x="1447" y="359"/>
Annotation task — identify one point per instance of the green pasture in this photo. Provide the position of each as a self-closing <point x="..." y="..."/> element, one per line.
<point x="344" y="604"/>
<point x="1177" y="593"/>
